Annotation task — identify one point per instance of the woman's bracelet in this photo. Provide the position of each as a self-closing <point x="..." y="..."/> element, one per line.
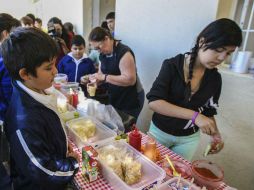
<point x="195" y="115"/>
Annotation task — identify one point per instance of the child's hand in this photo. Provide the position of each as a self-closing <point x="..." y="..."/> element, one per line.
<point x="74" y="155"/>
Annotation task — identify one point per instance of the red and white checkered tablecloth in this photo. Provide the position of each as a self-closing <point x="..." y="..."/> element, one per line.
<point x="102" y="184"/>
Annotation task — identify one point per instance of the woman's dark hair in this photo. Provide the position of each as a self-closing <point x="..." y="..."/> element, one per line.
<point x="220" y="33"/>
<point x="98" y="34"/>
<point x="104" y="25"/>
<point x="7" y="22"/>
<point x="65" y="35"/>
<point x="27" y="48"/>
<point x="78" y="40"/>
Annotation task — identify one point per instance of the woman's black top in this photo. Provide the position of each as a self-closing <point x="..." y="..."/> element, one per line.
<point x="171" y="87"/>
<point x="121" y="97"/>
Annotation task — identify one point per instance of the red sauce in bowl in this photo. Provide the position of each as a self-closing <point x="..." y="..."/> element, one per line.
<point x="206" y="173"/>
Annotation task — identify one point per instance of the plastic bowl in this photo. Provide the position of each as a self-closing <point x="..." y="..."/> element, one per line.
<point x="180" y="166"/>
<point x="207" y="173"/>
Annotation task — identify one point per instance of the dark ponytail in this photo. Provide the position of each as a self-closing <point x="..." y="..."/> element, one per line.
<point x="193" y="55"/>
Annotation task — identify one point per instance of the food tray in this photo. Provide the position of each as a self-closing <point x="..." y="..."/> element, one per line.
<point x="151" y="173"/>
<point x="102" y="134"/>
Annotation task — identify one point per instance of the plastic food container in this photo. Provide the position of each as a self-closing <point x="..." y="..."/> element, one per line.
<point x="171" y="183"/>
<point x="60" y="78"/>
<point x="70" y="85"/>
<point x="151" y="173"/>
<point x="180" y="166"/>
<point x="102" y="133"/>
<point x="207" y="174"/>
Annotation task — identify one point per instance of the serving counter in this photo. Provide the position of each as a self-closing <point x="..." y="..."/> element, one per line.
<point x="101" y="184"/>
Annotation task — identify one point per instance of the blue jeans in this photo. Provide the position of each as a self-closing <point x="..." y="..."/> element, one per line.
<point x="182" y="145"/>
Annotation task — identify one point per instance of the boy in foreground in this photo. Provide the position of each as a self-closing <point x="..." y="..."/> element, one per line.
<point x="39" y="148"/>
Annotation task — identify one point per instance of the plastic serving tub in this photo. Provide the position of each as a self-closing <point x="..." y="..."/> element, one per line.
<point x="151" y="173"/>
<point x="183" y="184"/>
<point x="102" y="133"/>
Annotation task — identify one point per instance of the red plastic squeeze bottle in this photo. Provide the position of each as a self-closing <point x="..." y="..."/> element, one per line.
<point x="75" y="99"/>
<point x="135" y="138"/>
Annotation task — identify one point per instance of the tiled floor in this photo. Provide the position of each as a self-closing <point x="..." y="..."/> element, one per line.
<point x="236" y="122"/>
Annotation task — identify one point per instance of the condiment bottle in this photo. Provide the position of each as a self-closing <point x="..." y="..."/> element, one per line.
<point x="135" y="138"/>
<point x="75" y="99"/>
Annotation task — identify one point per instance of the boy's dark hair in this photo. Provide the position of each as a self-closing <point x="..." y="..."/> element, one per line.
<point x="38" y="20"/>
<point x="98" y="34"/>
<point x="30" y="15"/>
<point x="7" y="22"/>
<point x="27" y="48"/>
<point x="110" y="15"/>
<point x="26" y="20"/>
<point x="78" y="40"/>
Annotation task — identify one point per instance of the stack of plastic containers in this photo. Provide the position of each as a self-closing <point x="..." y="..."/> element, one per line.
<point x="151" y="173"/>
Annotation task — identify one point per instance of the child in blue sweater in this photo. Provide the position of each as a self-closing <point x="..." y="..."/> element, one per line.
<point x="76" y="63"/>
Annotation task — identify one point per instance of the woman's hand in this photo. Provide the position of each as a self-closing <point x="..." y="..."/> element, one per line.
<point x="97" y="77"/>
<point x="217" y="144"/>
<point x="206" y="124"/>
<point x="84" y="80"/>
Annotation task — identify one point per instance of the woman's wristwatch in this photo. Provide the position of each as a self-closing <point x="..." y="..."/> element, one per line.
<point x="105" y="78"/>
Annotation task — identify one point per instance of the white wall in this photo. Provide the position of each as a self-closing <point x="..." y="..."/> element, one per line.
<point x="106" y="6"/>
<point x="88" y="17"/>
<point x="66" y="10"/>
<point x="156" y="30"/>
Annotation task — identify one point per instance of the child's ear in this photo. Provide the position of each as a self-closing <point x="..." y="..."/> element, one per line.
<point x="4" y="34"/>
<point x="24" y="74"/>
